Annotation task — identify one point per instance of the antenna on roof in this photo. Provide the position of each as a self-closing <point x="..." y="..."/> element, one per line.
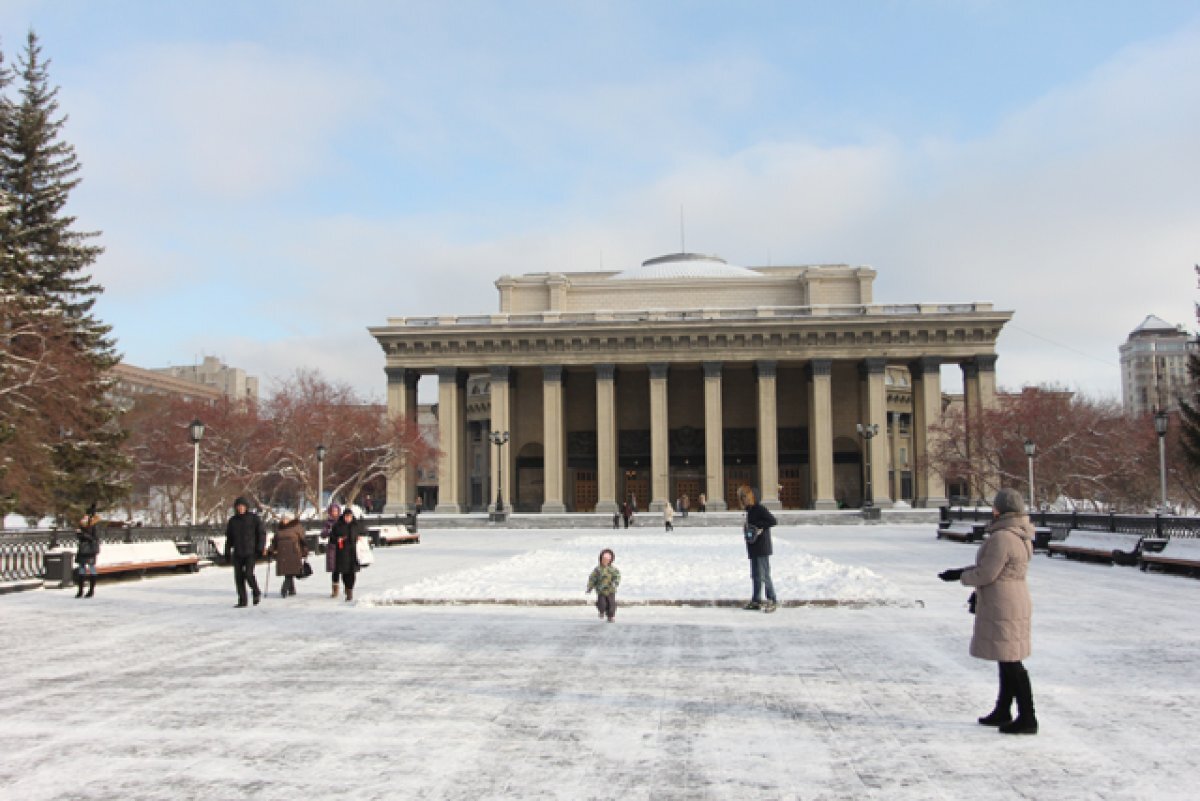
<point x="682" y="239"/>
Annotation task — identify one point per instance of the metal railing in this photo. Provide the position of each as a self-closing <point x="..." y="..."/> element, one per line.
<point x="1156" y="525"/>
<point x="23" y="553"/>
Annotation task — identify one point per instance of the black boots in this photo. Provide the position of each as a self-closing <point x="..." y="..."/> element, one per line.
<point x="1020" y="686"/>
<point x="1002" y="713"/>
<point x="79" y="584"/>
<point x="91" y="587"/>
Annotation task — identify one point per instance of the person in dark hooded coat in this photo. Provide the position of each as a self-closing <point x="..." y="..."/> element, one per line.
<point x="245" y="541"/>
<point x="343" y="539"/>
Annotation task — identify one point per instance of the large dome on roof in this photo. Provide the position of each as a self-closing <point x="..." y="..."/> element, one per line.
<point x="684" y="265"/>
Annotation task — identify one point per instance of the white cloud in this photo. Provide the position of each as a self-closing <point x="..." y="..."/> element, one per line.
<point x="229" y="121"/>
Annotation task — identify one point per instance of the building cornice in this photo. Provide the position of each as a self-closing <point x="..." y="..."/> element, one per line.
<point x="897" y="333"/>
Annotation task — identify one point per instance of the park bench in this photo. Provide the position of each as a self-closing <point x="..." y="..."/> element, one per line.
<point x="1179" y="552"/>
<point x="1105" y="546"/>
<point x="964" y="531"/>
<point x="139" y="557"/>
<point x="393" y="535"/>
<point x="1042" y="536"/>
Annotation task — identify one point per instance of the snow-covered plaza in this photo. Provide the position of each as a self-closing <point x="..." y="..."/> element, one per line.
<point x="160" y="689"/>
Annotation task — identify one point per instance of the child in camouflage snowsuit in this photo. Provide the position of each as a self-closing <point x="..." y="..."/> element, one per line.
<point x="604" y="580"/>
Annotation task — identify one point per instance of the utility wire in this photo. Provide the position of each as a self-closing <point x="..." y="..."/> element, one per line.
<point x="1064" y="347"/>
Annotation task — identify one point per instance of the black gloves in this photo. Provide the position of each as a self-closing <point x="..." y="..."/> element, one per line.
<point x="951" y="575"/>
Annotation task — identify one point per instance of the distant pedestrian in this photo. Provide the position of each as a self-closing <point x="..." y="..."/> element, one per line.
<point x="627" y="512"/>
<point x="245" y="541"/>
<point x="605" y="579"/>
<point x="1004" y="609"/>
<point x="616" y="520"/>
<point x="290" y="549"/>
<point x="686" y="503"/>
<point x="418" y="505"/>
<point x="702" y="502"/>
<point x="757" y="528"/>
<point x="86" y="553"/>
<point x="344" y="543"/>
<point x="668" y="517"/>
<point x="332" y="515"/>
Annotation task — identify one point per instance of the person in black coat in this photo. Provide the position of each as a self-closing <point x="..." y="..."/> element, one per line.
<point x="759" y="521"/>
<point x="343" y="539"/>
<point x="245" y="541"/>
<point x="85" y="555"/>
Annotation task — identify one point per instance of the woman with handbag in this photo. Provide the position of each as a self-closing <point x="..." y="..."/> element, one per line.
<point x="1004" y="609"/>
<point x="343" y="541"/>
<point x="86" y="553"/>
<point x="332" y="515"/>
<point x="757" y="529"/>
<point x="290" y="549"/>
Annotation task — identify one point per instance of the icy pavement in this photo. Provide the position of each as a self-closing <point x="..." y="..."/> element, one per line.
<point x="159" y="689"/>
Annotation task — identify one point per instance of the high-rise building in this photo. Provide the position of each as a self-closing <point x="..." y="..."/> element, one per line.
<point x="232" y="381"/>
<point x="1154" y="366"/>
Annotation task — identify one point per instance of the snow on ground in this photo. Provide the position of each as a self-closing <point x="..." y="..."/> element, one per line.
<point x="159" y="689"/>
<point x="709" y="566"/>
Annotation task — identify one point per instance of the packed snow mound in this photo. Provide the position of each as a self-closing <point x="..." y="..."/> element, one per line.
<point x="654" y="567"/>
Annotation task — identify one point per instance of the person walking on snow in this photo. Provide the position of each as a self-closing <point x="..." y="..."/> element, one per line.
<point x="1004" y="609"/>
<point x="245" y="541"/>
<point x="668" y="517"/>
<point x="343" y="541"/>
<point x="332" y="515"/>
<point x="290" y="550"/>
<point x="759" y="521"/>
<point x="605" y="579"/>
<point x="86" y="553"/>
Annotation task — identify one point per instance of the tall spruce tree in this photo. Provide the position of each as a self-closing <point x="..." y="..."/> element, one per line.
<point x="48" y="261"/>
<point x="1189" y="410"/>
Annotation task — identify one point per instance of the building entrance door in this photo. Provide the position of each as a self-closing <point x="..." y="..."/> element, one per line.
<point x="792" y="480"/>
<point x="637" y="489"/>
<point x="689" y="486"/>
<point x="586" y="491"/>
<point x="736" y="477"/>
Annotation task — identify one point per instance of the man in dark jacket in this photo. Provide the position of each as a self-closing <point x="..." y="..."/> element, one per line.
<point x="759" y="521"/>
<point x="245" y="539"/>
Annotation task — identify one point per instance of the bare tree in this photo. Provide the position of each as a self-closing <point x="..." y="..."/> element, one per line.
<point x="1087" y="450"/>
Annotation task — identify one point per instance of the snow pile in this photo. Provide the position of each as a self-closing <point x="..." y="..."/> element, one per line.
<point x="654" y="567"/>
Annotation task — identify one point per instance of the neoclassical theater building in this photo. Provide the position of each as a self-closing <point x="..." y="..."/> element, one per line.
<point x="687" y="375"/>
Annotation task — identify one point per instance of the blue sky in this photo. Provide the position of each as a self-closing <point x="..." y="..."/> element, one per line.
<point x="273" y="177"/>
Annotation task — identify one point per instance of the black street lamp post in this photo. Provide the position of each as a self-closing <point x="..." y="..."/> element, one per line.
<point x="1030" y="450"/>
<point x="195" y="434"/>
<point x="321" y="451"/>
<point x="499" y="439"/>
<point x="1160" y="427"/>
<point x="868" y="432"/>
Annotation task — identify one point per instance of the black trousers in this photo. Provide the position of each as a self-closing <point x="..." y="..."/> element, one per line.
<point x="243" y="574"/>
<point x="347" y="578"/>
<point x="607" y="604"/>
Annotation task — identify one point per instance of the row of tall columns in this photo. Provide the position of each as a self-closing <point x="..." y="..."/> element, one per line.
<point x="451" y="440"/>
<point x="768" y="435"/>
<point x="980" y="391"/>
<point x="979" y="396"/>
<point x="554" y="457"/>
<point x="402" y="405"/>
<point x="660" y="443"/>
<point x="926" y="376"/>
<point x="714" y="439"/>
<point x="820" y="432"/>
<point x="874" y="413"/>
<point x="501" y="460"/>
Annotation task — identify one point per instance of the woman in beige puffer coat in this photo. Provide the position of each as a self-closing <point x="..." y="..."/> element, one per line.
<point x="1004" y="610"/>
